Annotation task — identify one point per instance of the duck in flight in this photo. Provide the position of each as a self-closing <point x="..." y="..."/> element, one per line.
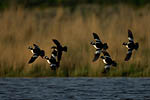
<point x="59" y="48"/>
<point x="107" y="61"/>
<point x="36" y="53"/>
<point x="98" y="45"/>
<point x="52" y="60"/>
<point x="130" y="45"/>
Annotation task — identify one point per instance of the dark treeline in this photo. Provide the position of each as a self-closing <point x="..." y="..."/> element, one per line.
<point x="46" y="3"/>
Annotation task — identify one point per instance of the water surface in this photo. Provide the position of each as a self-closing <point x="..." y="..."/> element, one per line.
<point x="74" y="88"/>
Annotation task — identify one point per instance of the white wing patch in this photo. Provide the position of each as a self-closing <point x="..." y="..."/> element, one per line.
<point x="53" y="56"/>
<point x="32" y="51"/>
<point x="48" y="61"/>
<point x="97" y="40"/>
<point x="95" y="46"/>
<point x="130" y="39"/>
<point x="107" y="66"/>
<point x="107" y="56"/>
<point x="98" y="52"/>
<point x="35" y="56"/>
<point x="127" y="46"/>
<point x="53" y="65"/>
<point x="104" y="61"/>
<point x="129" y="51"/>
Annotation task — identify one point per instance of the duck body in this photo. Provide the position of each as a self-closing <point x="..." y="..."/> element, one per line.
<point x="98" y="45"/>
<point x="59" y="48"/>
<point x="36" y="53"/>
<point x="107" y="61"/>
<point x="130" y="45"/>
<point x="54" y="64"/>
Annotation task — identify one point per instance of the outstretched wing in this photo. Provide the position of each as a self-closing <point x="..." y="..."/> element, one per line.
<point x="33" y="58"/>
<point x="130" y="36"/>
<point x="96" y="37"/>
<point x="128" y="55"/>
<point x="56" y="42"/>
<point x="97" y="54"/>
<point x="36" y="46"/>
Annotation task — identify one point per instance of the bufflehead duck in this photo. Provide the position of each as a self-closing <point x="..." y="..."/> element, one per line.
<point x="98" y="45"/>
<point x="107" y="61"/>
<point x="52" y="60"/>
<point x="36" y="52"/>
<point x="130" y="45"/>
<point x="59" y="48"/>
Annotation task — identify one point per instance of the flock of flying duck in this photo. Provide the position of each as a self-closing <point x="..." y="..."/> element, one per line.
<point x="55" y="58"/>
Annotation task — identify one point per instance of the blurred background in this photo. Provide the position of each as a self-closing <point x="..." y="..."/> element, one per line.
<point x="72" y="22"/>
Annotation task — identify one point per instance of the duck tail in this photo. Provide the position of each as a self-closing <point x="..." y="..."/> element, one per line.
<point x="136" y="46"/>
<point x="105" y="46"/>
<point x="65" y="48"/>
<point x="114" y="63"/>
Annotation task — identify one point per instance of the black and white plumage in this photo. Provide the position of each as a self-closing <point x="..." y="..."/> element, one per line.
<point x="53" y="60"/>
<point x="130" y="45"/>
<point x="98" y="45"/>
<point x="59" y="48"/>
<point x="36" y="53"/>
<point x="107" y="61"/>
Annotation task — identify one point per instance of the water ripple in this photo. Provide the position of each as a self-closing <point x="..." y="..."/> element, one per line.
<point x="74" y="88"/>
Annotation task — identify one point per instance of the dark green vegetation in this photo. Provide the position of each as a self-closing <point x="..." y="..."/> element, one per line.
<point x="71" y="3"/>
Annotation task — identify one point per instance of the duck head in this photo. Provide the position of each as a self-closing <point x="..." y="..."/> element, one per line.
<point x="53" y="47"/>
<point x="30" y="47"/>
<point x="124" y="43"/>
<point x="102" y="57"/>
<point x="46" y="57"/>
<point x="105" y="46"/>
<point x="92" y="43"/>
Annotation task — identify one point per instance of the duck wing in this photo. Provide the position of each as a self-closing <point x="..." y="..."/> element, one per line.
<point x="128" y="55"/>
<point x="96" y="38"/>
<point x="36" y="46"/>
<point x="59" y="56"/>
<point x="33" y="58"/>
<point x="130" y="36"/>
<point x="97" y="54"/>
<point x="56" y="42"/>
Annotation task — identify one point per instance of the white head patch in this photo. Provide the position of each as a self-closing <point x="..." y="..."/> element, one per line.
<point x="130" y="39"/>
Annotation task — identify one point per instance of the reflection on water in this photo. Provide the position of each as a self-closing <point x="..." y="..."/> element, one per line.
<point x="74" y="88"/>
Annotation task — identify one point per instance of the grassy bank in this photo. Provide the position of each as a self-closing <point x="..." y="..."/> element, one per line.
<point x="20" y="28"/>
